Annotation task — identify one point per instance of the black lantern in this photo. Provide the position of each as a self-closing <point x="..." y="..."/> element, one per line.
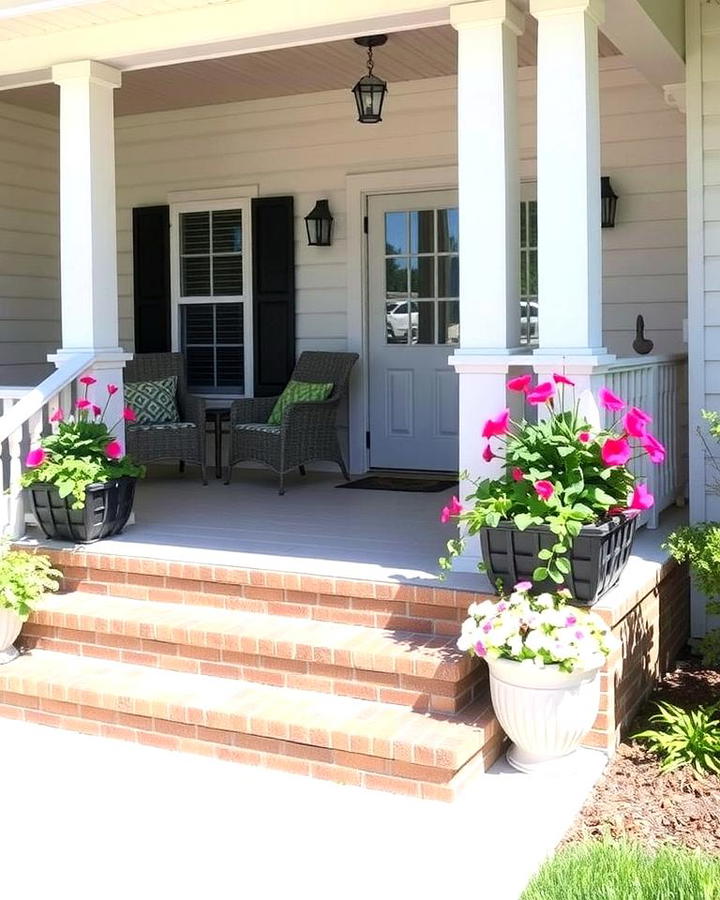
<point x="319" y="225"/>
<point x="370" y="91"/>
<point x="608" y="201"/>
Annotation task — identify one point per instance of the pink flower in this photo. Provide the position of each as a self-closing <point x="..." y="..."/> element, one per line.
<point x="487" y="453"/>
<point x="112" y="389"/>
<point x="480" y="649"/>
<point x="57" y="416"/>
<point x="609" y="400"/>
<point x="487" y="627"/>
<point x="521" y="383"/>
<point x="544" y="489"/>
<point x="500" y="607"/>
<point x="570" y="619"/>
<point x="517" y="474"/>
<point x="498" y="426"/>
<point x="83" y="404"/>
<point x="97" y="411"/>
<point x="584" y="437"/>
<point x="654" y="449"/>
<point x="635" y="422"/>
<point x="641" y="498"/>
<point x="454" y="508"/>
<point x="35" y="458"/>
<point x="114" y="450"/>
<point x="129" y="414"/>
<point x="542" y="393"/>
<point x="88" y="380"/>
<point x="523" y="586"/>
<point x="561" y="379"/>
<point x="616" y="452"/>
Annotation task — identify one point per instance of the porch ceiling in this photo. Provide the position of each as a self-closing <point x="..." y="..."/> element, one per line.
<point x="408" y="55"/>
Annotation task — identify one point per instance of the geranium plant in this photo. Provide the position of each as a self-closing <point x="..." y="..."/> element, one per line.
<point x="560" y="472"/>
<point x="540" y="630"/>
<point x="82" y="449"/>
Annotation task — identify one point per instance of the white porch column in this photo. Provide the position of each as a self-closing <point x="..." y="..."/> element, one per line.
<point x="489" y="202"/>
<point x="568" y="173"/>
<point x="88" y="242"/>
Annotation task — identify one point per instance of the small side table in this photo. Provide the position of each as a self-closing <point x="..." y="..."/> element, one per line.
<point x="217" y="415"/>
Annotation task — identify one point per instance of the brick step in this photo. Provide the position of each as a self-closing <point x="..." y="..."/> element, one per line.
<point x="417" y="670"/>
<point x="346" y="740"/>
<point x="401" y="607"/>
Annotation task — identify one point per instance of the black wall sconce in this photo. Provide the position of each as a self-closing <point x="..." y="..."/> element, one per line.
<point x="370" y="91"/>
<point x="319" y="222"/>
<point x="608" y="201"/>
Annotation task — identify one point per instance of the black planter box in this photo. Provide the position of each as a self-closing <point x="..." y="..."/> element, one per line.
<point x="597" y="556"/>
<point x="106" y="511"/>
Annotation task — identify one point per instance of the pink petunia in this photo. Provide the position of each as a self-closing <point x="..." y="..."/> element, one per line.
<point x="97" y="411"/>
<point x="129" y="414"/>
<point x="112" y="389"/>
<point x="487" y="454"/>
<point x="83" y="404"/>
<point x="113" y="450"/>
<point x="35" y="458"/>
<point x="561" y="379"/>
<point x="610" y="401"/>
<point x="570" y="619"/>
<point x="480" y="648"/>
<point x="521" y="383"/>
<point x="654" y="449"/>
<point x="542" y="393"/>
<point x="523" y="586"/>
<point x="57" y="416"/>
<point x="615" y="452"/>
<point x="641" y="498"/>
<point x="517" y="474"/>
<point x="88" y="380"/>
<point x="544" y="489"/>
<point x="635" y="422"/>
<point x="584" y="437"/>
<point x="498" y="426"/>
<point x="454" y="508"/>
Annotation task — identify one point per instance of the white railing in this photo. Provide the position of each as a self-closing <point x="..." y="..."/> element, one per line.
<point x="24" y="416"/>
<point x="657" y="384"/>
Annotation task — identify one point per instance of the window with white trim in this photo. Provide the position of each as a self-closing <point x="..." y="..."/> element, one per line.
<point x="212" y="291"/>
<point x="528" y="265"/>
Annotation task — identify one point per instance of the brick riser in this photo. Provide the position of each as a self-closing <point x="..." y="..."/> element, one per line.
<point x="420" y="694"/>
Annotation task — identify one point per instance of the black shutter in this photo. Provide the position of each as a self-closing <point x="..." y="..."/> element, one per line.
<point x="151" y="278"/>
<point x="273" y="293"/>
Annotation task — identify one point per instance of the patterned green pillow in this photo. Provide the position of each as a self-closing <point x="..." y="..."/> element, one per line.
<point x="153" y="401"/>
<point x="298" y="392"/>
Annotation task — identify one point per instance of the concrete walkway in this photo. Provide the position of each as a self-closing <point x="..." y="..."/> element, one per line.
<point x="97" y="819"/>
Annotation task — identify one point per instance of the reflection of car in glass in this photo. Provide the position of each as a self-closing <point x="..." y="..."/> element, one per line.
<point x="396" y="321"/>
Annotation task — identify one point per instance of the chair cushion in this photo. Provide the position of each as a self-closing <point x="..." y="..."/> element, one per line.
<point x="298" y="392"/>
<point x="258" y="427"/>
<point x="162" y="426"/>
<point x="153" y="402"/>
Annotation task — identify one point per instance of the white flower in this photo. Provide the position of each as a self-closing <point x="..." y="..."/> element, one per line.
<point x="545" y="600"/>
<point x="515" y="645"/>
<point x="466" y="640"/>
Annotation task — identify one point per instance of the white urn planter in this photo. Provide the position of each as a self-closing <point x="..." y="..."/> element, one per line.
<point x="10" y="627"/>
<point x="544" y="711"/>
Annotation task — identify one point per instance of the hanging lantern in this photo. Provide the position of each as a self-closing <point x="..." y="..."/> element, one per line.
<point x="370" y="91"/>
<point x="319" y="223"/>
<point x="608" y="200"/>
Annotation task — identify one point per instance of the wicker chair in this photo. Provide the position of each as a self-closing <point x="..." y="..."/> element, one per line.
<point x="184" y="440"/>
<point x="307" y="432"/>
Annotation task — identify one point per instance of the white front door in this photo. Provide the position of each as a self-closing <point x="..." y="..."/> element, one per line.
<point x="413" y="259"/>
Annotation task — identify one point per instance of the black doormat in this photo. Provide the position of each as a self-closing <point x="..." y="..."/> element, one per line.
<point x="399" y="483"/>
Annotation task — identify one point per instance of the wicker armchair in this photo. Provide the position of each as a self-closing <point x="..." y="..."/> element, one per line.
<point x="184" y="440"/>
<point x="308" y="431"/>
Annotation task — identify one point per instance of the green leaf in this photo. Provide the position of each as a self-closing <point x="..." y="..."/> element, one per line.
<point x="545" y="554"/>
<point x="522" y="520"/>
<point x="540" y="574"/>
<point x="563" y="565"/>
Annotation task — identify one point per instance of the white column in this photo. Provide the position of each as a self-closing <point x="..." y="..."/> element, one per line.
<point x="88" y="242"/>
<point x="568" y="173"/>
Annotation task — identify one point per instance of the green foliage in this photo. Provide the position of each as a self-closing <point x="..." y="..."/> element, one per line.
<point x="612" y="870"/>
<point x="76" y="457"/>
<point x="24" y="578"/>
<point x="686" y="738"/>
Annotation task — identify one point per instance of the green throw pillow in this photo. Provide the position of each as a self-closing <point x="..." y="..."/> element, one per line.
<point x="298" y="392"/>
<point x="153" y="402"/>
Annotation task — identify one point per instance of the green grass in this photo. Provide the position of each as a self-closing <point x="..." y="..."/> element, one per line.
<point x="606" y="870"/>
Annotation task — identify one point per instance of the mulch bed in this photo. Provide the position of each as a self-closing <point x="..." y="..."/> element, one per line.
<point x="635" y="800"/>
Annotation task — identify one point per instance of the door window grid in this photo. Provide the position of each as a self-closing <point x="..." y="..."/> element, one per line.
<point x="421" y="277"/>
<point x="528" y="272"/>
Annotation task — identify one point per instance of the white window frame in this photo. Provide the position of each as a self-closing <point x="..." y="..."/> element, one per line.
<point x="528" y="192"/>
<point x="212" y="204"/>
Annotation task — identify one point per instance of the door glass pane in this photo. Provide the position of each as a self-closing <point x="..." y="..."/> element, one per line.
<point x="397" y="322"/>
<point x="396" y="233"/>
<point x="396" y="277"/>
<point x="422" y="231"/>
<point x="448" y="231"/>
<point x="422" y="323"/>
<point x="449" y="322"/>
<point x="448" y="276"/>
<point x="422" y="276"/>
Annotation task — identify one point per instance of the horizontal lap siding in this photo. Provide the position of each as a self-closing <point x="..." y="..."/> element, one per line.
<point x="29" y="269"/>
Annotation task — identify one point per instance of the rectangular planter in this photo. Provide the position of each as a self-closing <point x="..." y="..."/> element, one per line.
<point x="597" y="557"/>
<point x="106" y="511"/>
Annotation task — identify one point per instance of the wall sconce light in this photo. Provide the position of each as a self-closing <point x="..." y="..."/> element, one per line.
<point x="370" y="91"/>
<point x="319" y="223"/>
<point x="608" y="201"/>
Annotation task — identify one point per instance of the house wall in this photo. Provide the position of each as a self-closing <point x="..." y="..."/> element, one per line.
<point x="29" y="269"/>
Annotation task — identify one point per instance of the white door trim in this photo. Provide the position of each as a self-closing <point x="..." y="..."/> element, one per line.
<point x="358" y="188"/>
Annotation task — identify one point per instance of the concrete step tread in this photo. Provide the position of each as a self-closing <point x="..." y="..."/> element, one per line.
<point x="330" y="643"/>
<point x="301" y="717"/>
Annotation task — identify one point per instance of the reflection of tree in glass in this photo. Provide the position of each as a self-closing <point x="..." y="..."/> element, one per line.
<point x="396" y="276"/>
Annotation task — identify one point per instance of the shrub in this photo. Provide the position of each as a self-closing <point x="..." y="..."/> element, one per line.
<point x="687" y="737"/>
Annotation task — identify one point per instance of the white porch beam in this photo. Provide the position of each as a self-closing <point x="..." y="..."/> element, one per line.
<point x="568" y="172"/>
